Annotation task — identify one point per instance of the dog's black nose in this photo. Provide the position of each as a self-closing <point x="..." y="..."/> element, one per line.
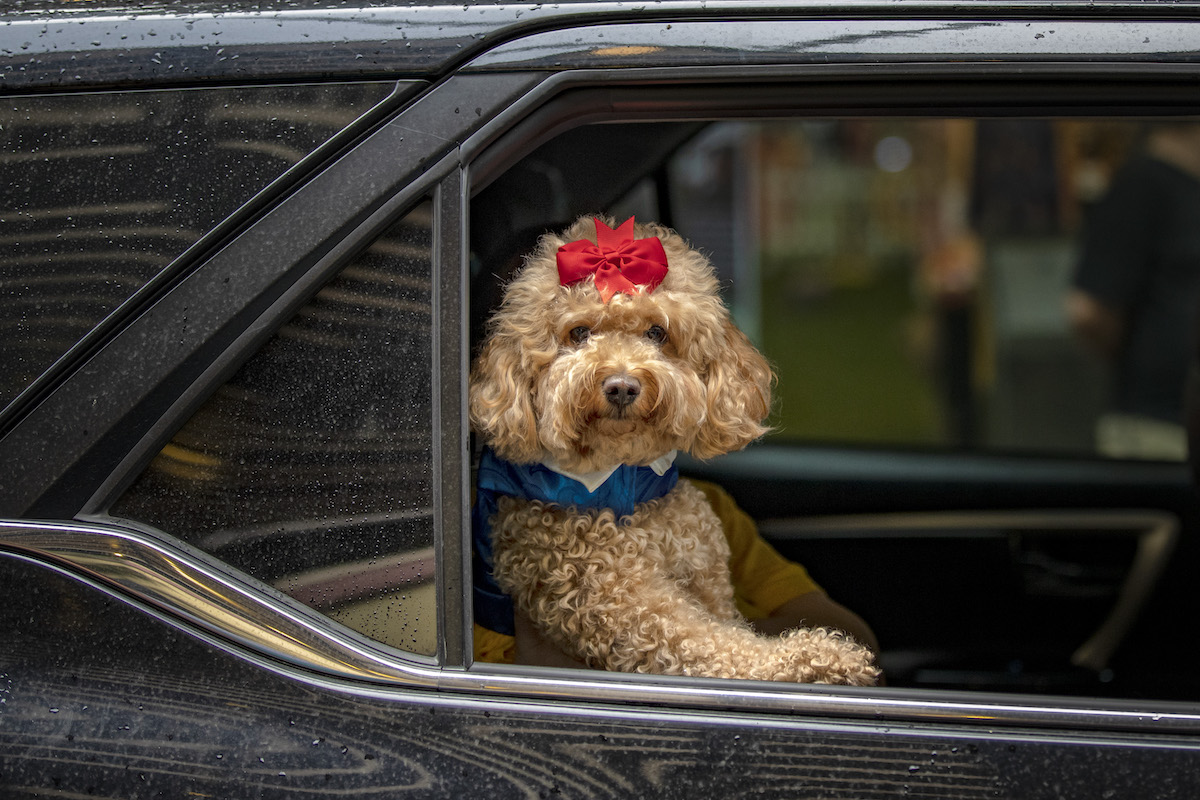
<point x="621" y="390"/>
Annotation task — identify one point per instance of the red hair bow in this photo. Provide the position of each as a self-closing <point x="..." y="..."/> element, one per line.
<point x="619" y="262"/>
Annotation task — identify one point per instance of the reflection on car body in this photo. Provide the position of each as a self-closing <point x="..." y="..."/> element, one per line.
<point x="247" y="257"/>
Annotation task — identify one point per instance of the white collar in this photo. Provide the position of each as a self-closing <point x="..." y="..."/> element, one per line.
<point x="595" y="479"/>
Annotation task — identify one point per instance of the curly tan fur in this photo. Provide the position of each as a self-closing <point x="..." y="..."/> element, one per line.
<point x="651" y="592"/>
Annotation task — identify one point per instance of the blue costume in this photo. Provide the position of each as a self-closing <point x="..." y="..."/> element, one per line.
<point x="620" y="491"/>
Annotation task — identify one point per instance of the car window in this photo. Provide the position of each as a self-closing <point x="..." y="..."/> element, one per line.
<point x="916" y="285"/>
<point x="991" y="284"/>
<point x="103" y="190"/>
<point x="310" y="469"/>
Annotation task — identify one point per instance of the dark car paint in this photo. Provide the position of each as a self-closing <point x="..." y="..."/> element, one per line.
<point x="170" y="44"/>
<point x="49" y="46"/>
<point x="123" y="703"/>
<point x="108" y="693"/>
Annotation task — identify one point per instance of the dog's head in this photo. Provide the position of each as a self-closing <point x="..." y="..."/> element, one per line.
<point x="590" y="371"/>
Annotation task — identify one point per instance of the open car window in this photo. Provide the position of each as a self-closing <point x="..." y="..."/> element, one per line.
<point x="951" y="440"/>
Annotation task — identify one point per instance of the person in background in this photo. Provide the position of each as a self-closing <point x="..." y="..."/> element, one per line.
<point x="1135" y="290"/>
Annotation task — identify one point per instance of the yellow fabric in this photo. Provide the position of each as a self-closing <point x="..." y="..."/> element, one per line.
<point x="494" y="648"/>
<point x="763" y="580"/>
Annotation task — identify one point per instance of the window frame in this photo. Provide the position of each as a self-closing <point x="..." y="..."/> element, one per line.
<point x="572" y="98"/>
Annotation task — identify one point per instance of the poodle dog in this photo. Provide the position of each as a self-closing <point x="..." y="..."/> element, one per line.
<point x="610" y="352"/>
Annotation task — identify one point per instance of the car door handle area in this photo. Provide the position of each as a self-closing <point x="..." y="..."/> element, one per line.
<point x="1105" y="561"/>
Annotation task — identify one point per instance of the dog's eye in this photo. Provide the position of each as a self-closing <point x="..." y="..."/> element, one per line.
<point x="656" y="334"/>
<point x="580" y="334"/>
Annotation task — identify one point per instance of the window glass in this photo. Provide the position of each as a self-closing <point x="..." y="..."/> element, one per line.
<point x="101" y="191"/>
<point x="1001" y="284"/>
<point x="310" y="469"/>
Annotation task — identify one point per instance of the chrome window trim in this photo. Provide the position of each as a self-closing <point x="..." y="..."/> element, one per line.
<point x="844" y="41"/>
<point x="202" y="592"/>
<point x="259" y="623"/>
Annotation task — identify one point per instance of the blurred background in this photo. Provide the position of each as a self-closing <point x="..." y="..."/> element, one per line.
<point x="908" y="278"/>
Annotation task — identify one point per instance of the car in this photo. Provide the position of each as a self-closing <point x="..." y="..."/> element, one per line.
<point x="250" y="250"/>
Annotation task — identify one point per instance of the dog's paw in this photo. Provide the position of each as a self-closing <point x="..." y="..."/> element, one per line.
<point x="819" y="655"/>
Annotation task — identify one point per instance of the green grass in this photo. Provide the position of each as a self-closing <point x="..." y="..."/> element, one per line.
<point x="849" y="367"/>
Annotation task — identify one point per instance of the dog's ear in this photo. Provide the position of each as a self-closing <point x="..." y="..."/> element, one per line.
<point x="500" y="400"/>
<point x="738" y="383"/>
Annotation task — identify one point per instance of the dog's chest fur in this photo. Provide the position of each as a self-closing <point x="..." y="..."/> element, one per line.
<point x="678" y="536"/>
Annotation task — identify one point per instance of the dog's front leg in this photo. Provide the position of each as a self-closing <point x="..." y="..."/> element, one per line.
<point x="601" y="592"/>
<point x="694" y="547"/>
<point x="572" y="574"/>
